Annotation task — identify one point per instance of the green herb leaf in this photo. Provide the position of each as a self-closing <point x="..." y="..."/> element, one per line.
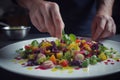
<point x="68" y="55"/>
<point x="35" y="43"/>
<point x="19" y="51"/>
<point x="85" y="63"/>
<point x="72" y="37"/>
<point x="102" y="48"/>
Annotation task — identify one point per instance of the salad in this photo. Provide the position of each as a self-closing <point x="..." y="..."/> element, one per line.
<point x="69" y="51"/>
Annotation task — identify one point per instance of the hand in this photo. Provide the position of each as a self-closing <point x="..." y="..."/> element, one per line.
<point x="103" y="27"/>
<point x="45" y="16"/>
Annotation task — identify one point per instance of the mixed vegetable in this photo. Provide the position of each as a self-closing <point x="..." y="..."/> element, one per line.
<point x="69" y="51"/>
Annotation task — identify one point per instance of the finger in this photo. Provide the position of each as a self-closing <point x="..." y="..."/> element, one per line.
<point x="41" y="22"/>
<point x="100" y="29"/>
<point x="107" y="31"/>
<point x="57" y="19"/>
<point x="34" y="21"/>
<point x="47" y="19"/>
<point x="94" y="26"/>
<point x="114" y="27"/>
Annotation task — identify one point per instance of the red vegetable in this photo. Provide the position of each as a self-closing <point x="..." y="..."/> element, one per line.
<point x="27" y="47"/>
<point x="64" y="63"/>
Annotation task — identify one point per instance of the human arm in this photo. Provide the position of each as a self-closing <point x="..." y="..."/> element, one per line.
<point x="103" y="25"/>
<point x="45" y="16"/>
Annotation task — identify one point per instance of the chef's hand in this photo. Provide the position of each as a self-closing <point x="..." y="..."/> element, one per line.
<point x="103" y="24"/>
<point x="45" y="16"/>
<point x="103" y="27"/>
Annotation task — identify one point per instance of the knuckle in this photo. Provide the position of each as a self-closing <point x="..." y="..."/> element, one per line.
<point x="102" y="17"/>
<point x="111" y="20"/>
<point x="54" y="5"/>
<point x="43" y="5"/>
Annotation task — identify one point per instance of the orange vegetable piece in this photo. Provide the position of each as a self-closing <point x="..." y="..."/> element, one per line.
<point x="53" y="59"/>
<point x="78" y="40"/>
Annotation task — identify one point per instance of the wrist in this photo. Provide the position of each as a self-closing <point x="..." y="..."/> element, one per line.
<point x="104" y="7"/>
<point x="104" y="11"/>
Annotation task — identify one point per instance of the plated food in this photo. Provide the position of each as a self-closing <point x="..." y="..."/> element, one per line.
<point x="70" y="51"/>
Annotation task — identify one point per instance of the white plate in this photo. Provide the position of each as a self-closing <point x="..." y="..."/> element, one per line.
<point x="8" y="53"/>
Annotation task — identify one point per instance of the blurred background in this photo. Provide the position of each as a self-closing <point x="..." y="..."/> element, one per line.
<point x="13" y="14"/>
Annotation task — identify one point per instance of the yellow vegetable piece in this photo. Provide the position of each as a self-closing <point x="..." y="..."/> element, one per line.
<point x="83" y="41"/>
<point x="59" y="55"/>
<point x="102" y="56"/>
<point x="87" y="47"/>
<point x="46" y="44"/>
<point x="74" y="46"/>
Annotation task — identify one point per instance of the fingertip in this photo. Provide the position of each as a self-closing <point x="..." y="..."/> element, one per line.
<point x="93" y="38"/>
<point x="59" y="36"/>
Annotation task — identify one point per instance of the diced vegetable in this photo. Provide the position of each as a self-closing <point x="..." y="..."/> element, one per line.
<point x="59" y="55"/>
<point x="85" y="63"/>
<point x="74" y="46"/>
<point x="35" y="43"/>
<point x="64" y="63"/>
<point x="68" y="55"/>
<point x="79" y="57"/>
<point x="31" y="56"/>
<point x="102" y="56"/>
<point x="69" y="51"/>
<point x="53" y="59"/>
<point x="72" y="37"/>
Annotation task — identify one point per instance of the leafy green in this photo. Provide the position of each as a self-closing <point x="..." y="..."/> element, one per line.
<point x="35" y="43"/>
<point x="68" y="55"/>
<point x="65" y="37"/>
<point x="23" y="55"/>
<point x="85" y="63"/>
<point x="113" y="51"/>
<point x="102" y="48"/>
<point x="93" y="60"/>
<point x="72" y="37"/>
<point x="68" y="38"/>
<point x="28" y="51"/>
<point x="19" y="50"/>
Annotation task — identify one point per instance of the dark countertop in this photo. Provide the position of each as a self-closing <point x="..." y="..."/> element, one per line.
<point x="5" y="75"/>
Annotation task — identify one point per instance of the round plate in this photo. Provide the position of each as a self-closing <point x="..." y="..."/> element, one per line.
<point x="8" y="53"/>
